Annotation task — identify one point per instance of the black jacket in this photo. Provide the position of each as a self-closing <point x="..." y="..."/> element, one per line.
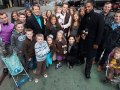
<point x="73" y="51"/>
<point x="113" y="39"/>
<point x="94" y="23"/>
<point x="32" y="23"/>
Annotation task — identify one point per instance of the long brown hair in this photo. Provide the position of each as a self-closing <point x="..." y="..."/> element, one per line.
<point x="49" y="24"/>
<point x="14" y="12"/>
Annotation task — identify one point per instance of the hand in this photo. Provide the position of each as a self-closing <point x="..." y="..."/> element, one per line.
<point x="83" y="36"/>
<point x="29" y="59"/>
<point x="65" y="52"/>
<point x="64" y="46"/>
<point x="95" y="46"/>
<point x="20" y="51"/>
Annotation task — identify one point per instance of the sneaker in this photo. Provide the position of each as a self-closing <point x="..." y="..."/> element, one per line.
<point x="45" y="76"/>
<point x="57" y="66"/>
<point x="36" y="80"/>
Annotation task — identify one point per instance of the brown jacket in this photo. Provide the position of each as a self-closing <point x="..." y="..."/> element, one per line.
<point x="59" y="44"/>
<point x="28" y="48"/>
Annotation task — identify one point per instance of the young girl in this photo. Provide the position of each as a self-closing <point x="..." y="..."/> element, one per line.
<point x="52" y="47"/>
<point x="58" y="14"/>
<point x="75" y="25"/>
<point x="41" y="51"/>
<point x="48" y="14"/>
<point x="81" y="12"/>
<point x="28" y="13"/>
<point x="14" y="17"/>
<point x="114" y="63"/>
<point x="53" y="26"/>
<point x="61" y="45"/>
<point x="72" y="51"/>
<point x="44" y="17"/>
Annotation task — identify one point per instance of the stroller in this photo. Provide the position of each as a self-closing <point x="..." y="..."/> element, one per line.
<point x="116" y="77"/>
<point x="14" y="66"/>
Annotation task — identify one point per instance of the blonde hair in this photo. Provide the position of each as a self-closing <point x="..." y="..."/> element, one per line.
<point x="39" y="35"/>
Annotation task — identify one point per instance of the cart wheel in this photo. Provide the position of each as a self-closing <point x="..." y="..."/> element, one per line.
<point x="17" y="88"/>
<point x="30" y="79"/>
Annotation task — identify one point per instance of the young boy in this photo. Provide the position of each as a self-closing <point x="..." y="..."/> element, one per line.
<point x="41" y="51"/>
<point x="17" y="40"/>
<point x="28" y="49"/>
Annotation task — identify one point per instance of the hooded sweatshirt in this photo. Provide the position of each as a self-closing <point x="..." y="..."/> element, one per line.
<point x="17" y="40"/>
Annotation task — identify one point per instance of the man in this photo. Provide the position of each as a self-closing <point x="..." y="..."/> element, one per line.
<point x="108" y="19"/>
<point x="91" y="30"/>
<point x="36" y="22"/>
<point x="67" y="19"/>
<point x="6" y="29"/>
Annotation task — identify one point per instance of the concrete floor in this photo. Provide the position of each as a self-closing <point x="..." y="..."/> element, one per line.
<point x="63" y="79"/>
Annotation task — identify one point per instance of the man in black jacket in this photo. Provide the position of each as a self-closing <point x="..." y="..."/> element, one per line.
<point x="91" y="30"/>
<point x="36" y="22"/>
<point x="108" y="19"/>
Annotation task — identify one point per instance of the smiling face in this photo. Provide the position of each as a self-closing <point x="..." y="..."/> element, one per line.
<point x="28" y="13"/>
<point x="53" y="20"/>
<point x="36" y="10"/>
<point x="76" y="17"/>
<point x="88" y="7"/>
<point x="117" y="18"/>
<point x="29" y="34"/>
<point x="22" y="18"/>
<point x="64" y="8"/>
<point x="19" y="27"/>
<point x="117" y="54"/>
<point x="49" y="40"/>
<point x="59" y="36"/>
<point x="15" y="16"/>
<point x="107" y="8"/>
<point x="71" y="40"/>
<point x="49" y="13"/>
<point x="4" y="18"/>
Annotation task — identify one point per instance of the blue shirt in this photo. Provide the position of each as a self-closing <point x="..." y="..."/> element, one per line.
<point x="114" y="25"/>
<point x="38" y="20"/>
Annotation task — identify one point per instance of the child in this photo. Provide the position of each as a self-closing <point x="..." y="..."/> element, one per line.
<point x="52" y="47"/>
<point x="61" y="45"/>
<point x="59" y="15"/>
<point x="41" y="51"/>
<point x="75" y="25"/>
<point x="28" y="49"/>
<point x="72" y="51"/>
<point x="114" y="63"/>
<point x="53" y="26"/>
<point x="17" y="39"/>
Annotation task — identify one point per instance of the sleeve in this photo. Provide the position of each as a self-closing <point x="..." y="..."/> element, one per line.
<point x="100" y="30"/>
<point x="13" y="44"/>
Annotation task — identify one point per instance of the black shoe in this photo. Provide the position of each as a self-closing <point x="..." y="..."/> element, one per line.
<point x="87" y="76"/>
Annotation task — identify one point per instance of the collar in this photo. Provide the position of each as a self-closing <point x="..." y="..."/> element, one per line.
<point x="114" y="25"/>
<point x="6" y="24"/>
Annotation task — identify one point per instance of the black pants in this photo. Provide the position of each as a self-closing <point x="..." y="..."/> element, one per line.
<point x="99" y="53"/>
<point x="88" y="65"/>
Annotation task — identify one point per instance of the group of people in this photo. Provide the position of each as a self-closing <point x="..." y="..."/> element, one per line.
<point x="64" y="35"/>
